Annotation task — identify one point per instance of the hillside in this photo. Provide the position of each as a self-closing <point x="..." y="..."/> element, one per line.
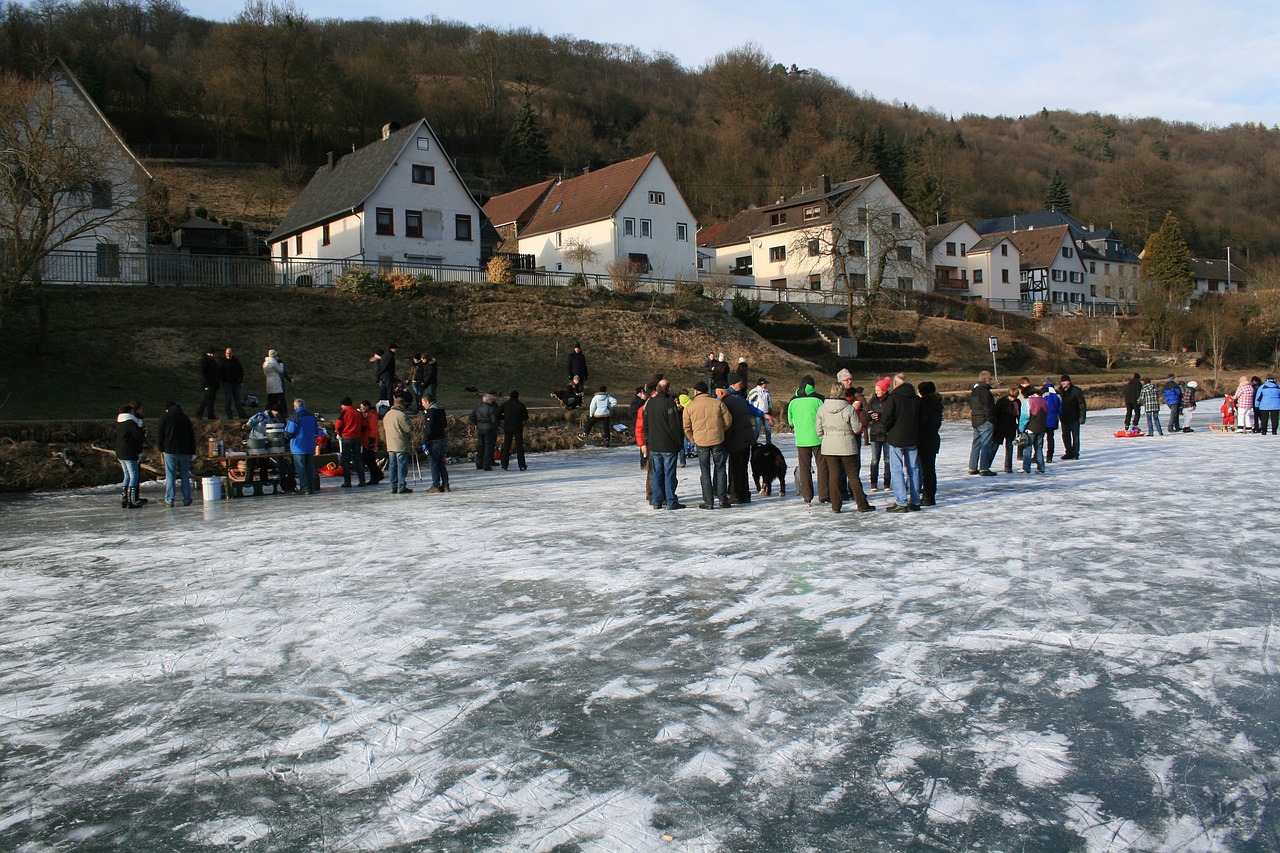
<point x="276" y="88"/>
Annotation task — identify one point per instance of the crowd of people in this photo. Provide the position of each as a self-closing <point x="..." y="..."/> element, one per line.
<point x="718" y="421"/>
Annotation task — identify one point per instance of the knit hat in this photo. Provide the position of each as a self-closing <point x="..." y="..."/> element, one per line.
<point x="927" y="388"/>
<point x="700" y="387"/>
<point x="1066" y="378"/>
<point x="884" y="384"/>
<point x="742" y="360"/>
<point x="1192" y="384"/>
<point x="843" y="374"/>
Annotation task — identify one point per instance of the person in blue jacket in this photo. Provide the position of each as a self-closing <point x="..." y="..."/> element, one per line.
<point x="1266" y="400"/>
<point x="1053" y="409"/>
<point x="301" y="429"/>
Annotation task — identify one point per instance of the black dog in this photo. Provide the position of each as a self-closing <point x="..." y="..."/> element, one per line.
<point x="767" y="465"/>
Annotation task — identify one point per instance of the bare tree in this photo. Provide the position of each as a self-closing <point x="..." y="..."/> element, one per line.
<point x="66" y="181"/>
<point x="866" y="246"/>
<point x="580" y="252"/>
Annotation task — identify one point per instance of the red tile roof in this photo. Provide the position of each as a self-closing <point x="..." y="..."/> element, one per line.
<point x="517" y="206"/>
<point x="1037" y="247"/>
<point x="592" y="197"/>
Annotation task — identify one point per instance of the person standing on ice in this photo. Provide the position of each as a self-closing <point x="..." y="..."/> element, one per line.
<point x="599" y="411"/>
<point x="706" y="422"/>
<point x="664" y="439"/>
<point x="130" y="437"/>
<point x="901" y="417"/>
<point x="1053" y="413"/>
<point x="1189" y="392"/>
<point x="1074" y="411"/>
<point x="484" y="418"/>
<point x="1267" y="402"/>
<point x="177" y="443"/>
<point x="802" y="414"/>
<point x="929" y="441"/>
<point x="1132" y="391"/>
<point x="436" y="428"/>
<point x="350" y="427"/>
<point x="1149" y="403"/>
<point x="399" y="444"/>
<point x="982" y="417"/>
<point x="302" y="429"/>
<point x="1032" y="420"/>
<point x="1243" y="399"/>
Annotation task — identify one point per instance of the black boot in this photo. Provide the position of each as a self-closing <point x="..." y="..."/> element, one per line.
<point x="138" y="501"/>
<point x="124" y="499"/>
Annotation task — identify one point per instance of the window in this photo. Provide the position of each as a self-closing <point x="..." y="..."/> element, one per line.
<point x="1059" y="275"/>
<point x="778" y="218"/>
<point x="1076" y="277"/>
<point x="108" y="258"/>
<point x="657" y="198"/>
<point x="413" y="223"/>
<point x="1066" y="252"/>
<point x="1004" y="250"/>
<point x="814" y="249"/>
<point x="558" y="240"/>
<point x="904" y="253"/>
<point x="742" y="265"/>
<point x="858" y="281"/>
<point x="1106" y="268"/>
<point x="1106" y="291"/>
<point x="284" y="250"/>
<point x="895" y="219"/>
<point x="639" y="262"/>
<point x="777" y="253"/>
<point x="815" y="282"/>
<point x="813" y="212"/>
<point x="297" y="245"/>
<point x="1213" y="287"/>
<point x="384" y="221"/>
<point x="324" y="234"/>
<point x="462" y="227"/>
<point x="1004" y="276"/>
<point x="862" y="216"/>
<point x="1120" y="270"/>
<point x="778" y="284"/>
<point x="100" y="191"/>
<point x="858" y="248"/>
<point x="646" y="227"/>
<point x="905" y="283"/>
<point x="1093" y="290"/>
<point x="682" y="232"/>
<point x="951" y="250"/>
<point x="424" y="143"/>
<point x="424" y="174"/>
<point x="964" y="249"/>
<point x="1093" y="268"/>
<point x="977" y="276"/>
<point x="628" y="227"/>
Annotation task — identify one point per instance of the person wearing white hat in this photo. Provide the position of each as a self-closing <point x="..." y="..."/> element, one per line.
<point x="1189" y="392"/>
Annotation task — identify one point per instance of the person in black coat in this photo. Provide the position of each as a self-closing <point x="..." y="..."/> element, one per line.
<point x="211" y="374"/>
<point x="130" y="438"/>
<point x="578" y="364"/>
<point x="1074" y="410"/>
<point x="513" y="414"/>
<point x="930" y="441"/>
<point x="177" y="442"/>
<point x="1132" y="391"/>
<point x="231" y="374"/>
<point x="1008" y="410"/>
<point x="900" y="414"/>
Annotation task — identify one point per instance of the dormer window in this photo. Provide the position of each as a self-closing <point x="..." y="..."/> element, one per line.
<point x="778" y="218"/>
<point x="657" y="197"/>
<point x="813" y="212"/>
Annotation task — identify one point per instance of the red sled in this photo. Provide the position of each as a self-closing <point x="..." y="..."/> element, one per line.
<point x="1134" y="433"/>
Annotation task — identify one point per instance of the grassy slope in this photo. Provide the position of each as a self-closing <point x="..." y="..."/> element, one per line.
<point x="109" y="345"/>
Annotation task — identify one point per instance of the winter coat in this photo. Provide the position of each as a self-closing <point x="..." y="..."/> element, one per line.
<point x="1034" y="415"/>
<point x="637" y="405"/>
<point x="601" y="405"/>
<point x="436" y="422"/>
<point x="258" y="424"/>
<point x="706" y="421"/>
<point x="1008" y="410"/>
<point x="273" y="371"/>
<point x="130" y="436"/>
<point x="1267" y="397"/>
<point x="1244" y="396"/>
<point x="302" y="429"/>
<point x="1053" y="407"/>
<point x="370" y="437"/>
<point x="741" y="372"/>
<point x="349" y="424"/>
<point x="838" y="425"/>
<point x="484" y="417"/>
<point x="719" y="373"/>
<point x="513" y="414"/>
<point x="433" y="371"/>
<point x="742" y="427"/>
<point x="761" y="398"/>
<point x="1189" y="398"/>
<point x="578" y="366"/>
<point x="176" y="436"/>
<point x="1172" y="393"/>
<point x="982" y="406"/>
<point x="900" y="415"/>
<point x="418" y="373"/>
<point x="929" y="432"/>
<point x="399" y="432"/>
<point x="802" y="414"/>
<point x="387" y="367"/>
<point x="663" y="427"/>
<point x="1149" y="397"/>
<point x="1074" y="407"/>
<point x="231" y="371"/>
<point x="1132" y="389"/>
<point x="875" y="406"/>
<point x="210" y="371"/>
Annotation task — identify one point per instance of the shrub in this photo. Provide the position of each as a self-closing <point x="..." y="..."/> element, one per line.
<point x="500" y="270"/>
<point x="362" y="281"/>
<point x="405" y="283"/>
<point x="624" y="276"/>
<point x="746" y="309"/>
<point x="976" y="311"/>
<point x="578" y="280"/>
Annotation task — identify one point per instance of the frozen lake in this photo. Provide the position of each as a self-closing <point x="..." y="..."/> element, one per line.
<point x="1084" y="661"/>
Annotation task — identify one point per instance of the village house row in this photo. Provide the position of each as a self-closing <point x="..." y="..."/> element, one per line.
<point x="401" y="201"/>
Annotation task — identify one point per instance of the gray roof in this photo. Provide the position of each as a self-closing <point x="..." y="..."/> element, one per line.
<point x="334" y="191"/>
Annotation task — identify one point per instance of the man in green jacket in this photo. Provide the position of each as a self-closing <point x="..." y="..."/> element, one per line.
<point x="802" y="413"/>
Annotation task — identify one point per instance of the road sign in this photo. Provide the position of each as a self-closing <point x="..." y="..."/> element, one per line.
<point x="994" y="342"/>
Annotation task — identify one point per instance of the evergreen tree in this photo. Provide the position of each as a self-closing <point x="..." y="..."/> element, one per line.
<point x="1166" y="262"/>
<point x="525" y="153"/>
<point x="1057" y="196"/>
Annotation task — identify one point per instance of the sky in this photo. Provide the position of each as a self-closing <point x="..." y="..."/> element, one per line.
<point x="1180" y="60"/>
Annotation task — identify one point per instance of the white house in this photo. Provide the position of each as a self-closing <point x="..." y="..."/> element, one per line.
<point x="969" y="266"/>
<point x="1050" y="266"/>
<point x="399" y="200"/>
<point x="1214" y="275"/>
<point x="629" y="212"/>
<point x="829" y="238"/>
<point x="103" y="214"/>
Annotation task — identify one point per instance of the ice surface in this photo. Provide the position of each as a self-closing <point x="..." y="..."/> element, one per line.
<point x="1080" y="661"/>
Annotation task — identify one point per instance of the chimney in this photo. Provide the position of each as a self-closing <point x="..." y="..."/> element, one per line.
<point x="390" y="128"/>
<point x="332" y="160"/>
<point x="586" y="170"/>
<point x="825" y="183"/>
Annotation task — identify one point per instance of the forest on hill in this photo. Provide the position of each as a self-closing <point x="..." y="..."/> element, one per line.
<point x="274" y="86"/>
